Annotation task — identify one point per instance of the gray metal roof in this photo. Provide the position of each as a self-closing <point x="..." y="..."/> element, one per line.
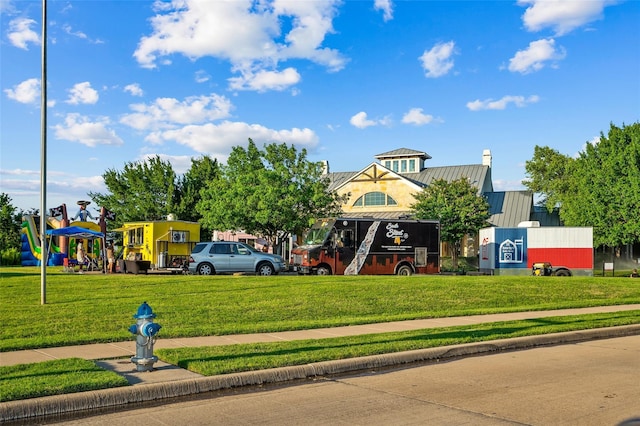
<point x="479" y="175"/>
<point x="509" y="208"/>
<point x="403" y="152"/>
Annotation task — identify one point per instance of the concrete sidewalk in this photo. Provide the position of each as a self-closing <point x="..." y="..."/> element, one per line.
<point x="167" y="381"/>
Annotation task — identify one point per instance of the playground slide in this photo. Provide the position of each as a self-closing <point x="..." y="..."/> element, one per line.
<point x="31" y="244"/>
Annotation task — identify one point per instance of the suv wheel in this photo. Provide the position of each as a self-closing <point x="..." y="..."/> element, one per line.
<point x="206" y="269"/>
<point x="265" y="269"/>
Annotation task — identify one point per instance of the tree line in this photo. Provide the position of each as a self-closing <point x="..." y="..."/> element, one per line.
<point x="276" y="192"/>
<point x="600" y="187"/>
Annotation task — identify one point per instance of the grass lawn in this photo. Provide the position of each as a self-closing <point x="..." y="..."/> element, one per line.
<point x="54" y="378"/>
<point x="90" y="308"/>
<point x="99" y="308"/>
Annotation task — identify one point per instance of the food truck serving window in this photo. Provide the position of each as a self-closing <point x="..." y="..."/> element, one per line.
<point x="136" y="236"/>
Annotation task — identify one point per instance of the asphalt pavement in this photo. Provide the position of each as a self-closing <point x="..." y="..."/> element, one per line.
<point x="167" y="381"/>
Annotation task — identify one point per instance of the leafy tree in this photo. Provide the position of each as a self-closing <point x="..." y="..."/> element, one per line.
<point x="273" y="192"/>
<point x="549" y="174"/>
<point x="142" y="191"/>
<point x="605" y="189"/>
<point x="203" y="170"/>
<point x="458" y="207"/>
<point x="10" y="223"/>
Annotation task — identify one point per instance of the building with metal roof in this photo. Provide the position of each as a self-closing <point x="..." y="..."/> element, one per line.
<point x="386" y="187"/>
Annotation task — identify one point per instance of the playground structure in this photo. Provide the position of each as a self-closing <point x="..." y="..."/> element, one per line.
<point x="59" y="249"/>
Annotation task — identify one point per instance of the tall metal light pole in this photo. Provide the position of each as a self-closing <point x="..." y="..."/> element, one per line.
<point x="43" y="162"/>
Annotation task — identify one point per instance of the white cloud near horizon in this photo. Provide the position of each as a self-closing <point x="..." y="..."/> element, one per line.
<point x="562" y="16"/>
<point x="26" y="92"/>
<point x="438" y="61"/>
<point x="20" y="33"/>
<point x="537" y="54"/>
<point x="170" y="112"/>
<point x="217" y="140"/>
<point x="500" y="104"/>
<point x="81" y="129"/>
<point x="82" y="93"/>
<point x="199" y="29"/>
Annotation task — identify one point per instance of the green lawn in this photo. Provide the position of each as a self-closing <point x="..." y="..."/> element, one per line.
<point x="99" y="308"/>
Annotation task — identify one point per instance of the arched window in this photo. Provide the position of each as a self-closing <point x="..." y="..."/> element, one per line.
<point x="375" y="199"/>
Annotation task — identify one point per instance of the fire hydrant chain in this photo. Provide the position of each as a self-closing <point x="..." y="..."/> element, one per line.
<point x="145" y="331"/>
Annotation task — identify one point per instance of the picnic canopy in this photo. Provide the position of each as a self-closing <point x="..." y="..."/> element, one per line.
<point x="75" y="232"/>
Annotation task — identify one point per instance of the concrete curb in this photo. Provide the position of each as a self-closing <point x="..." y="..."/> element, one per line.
<point x="63" y="404"/>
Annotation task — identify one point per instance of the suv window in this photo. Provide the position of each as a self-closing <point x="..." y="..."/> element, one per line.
<point x="242" y="249"/>
<point x="220" y="248"/>
<point x="199" y="247"/>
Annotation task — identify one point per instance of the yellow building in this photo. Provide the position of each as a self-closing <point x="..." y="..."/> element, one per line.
<point x="165" y="244"/>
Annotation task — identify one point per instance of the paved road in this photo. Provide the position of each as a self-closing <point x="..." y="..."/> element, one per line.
<point x="590" y="383"/>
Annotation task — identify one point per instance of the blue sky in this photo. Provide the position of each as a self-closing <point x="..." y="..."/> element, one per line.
<point x="344" y="79"/>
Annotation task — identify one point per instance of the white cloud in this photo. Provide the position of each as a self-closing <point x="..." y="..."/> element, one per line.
<point x="360" y="121"/>
<point x="211" y="28"/>
<point x="563" y="16"/>
<point x="6" y="6"/>
<point x="202" y="76"/>
<point x="534" y="57"/>
<point x="180" y="163"/>
<point x="437" y="61"/>
<point x="217" y="140"/>
<point x="386" y="6"/>
<point x="134" y="89"/>
<point x="417" y="117"/>
<point x="26" y="92"/>
<point x="20" y="33"/>
<point x="78" y="128"/>
<point x="169" y="112"/>
<point x="500" y="104"/>
<point x="82" y="93"/>
<point x="67" y="29"/>
<point x="263" y="80"/>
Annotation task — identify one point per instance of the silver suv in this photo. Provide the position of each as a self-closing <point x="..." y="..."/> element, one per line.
<point x="222" y="257"/>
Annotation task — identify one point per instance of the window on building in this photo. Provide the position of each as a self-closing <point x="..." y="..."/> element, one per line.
<point x="136" y="236"/>
<point x="395" y="166"/>
<point x="403" y="166"/>
<point x="375" y="199"/>
<point x="387" y="164"/>
<point x="412" y="165"/>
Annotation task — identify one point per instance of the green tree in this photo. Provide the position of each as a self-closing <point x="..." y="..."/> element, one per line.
<point x="10" y="223"/>
<point x="273" y="193"/>
<point x="144" y="190"/>
<point x="549" y="174"/>
<point x="458" y="207"/>
<point x="605" y="189"/>
<point x="203" y="170"/>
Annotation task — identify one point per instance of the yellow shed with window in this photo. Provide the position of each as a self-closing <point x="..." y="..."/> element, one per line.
<point x="167" y="244"/>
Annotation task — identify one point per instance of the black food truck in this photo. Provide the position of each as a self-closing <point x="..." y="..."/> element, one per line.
<point x="366" y="246"/>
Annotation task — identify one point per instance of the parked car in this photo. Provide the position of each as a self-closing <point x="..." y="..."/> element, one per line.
<point x="222" y="257"/>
